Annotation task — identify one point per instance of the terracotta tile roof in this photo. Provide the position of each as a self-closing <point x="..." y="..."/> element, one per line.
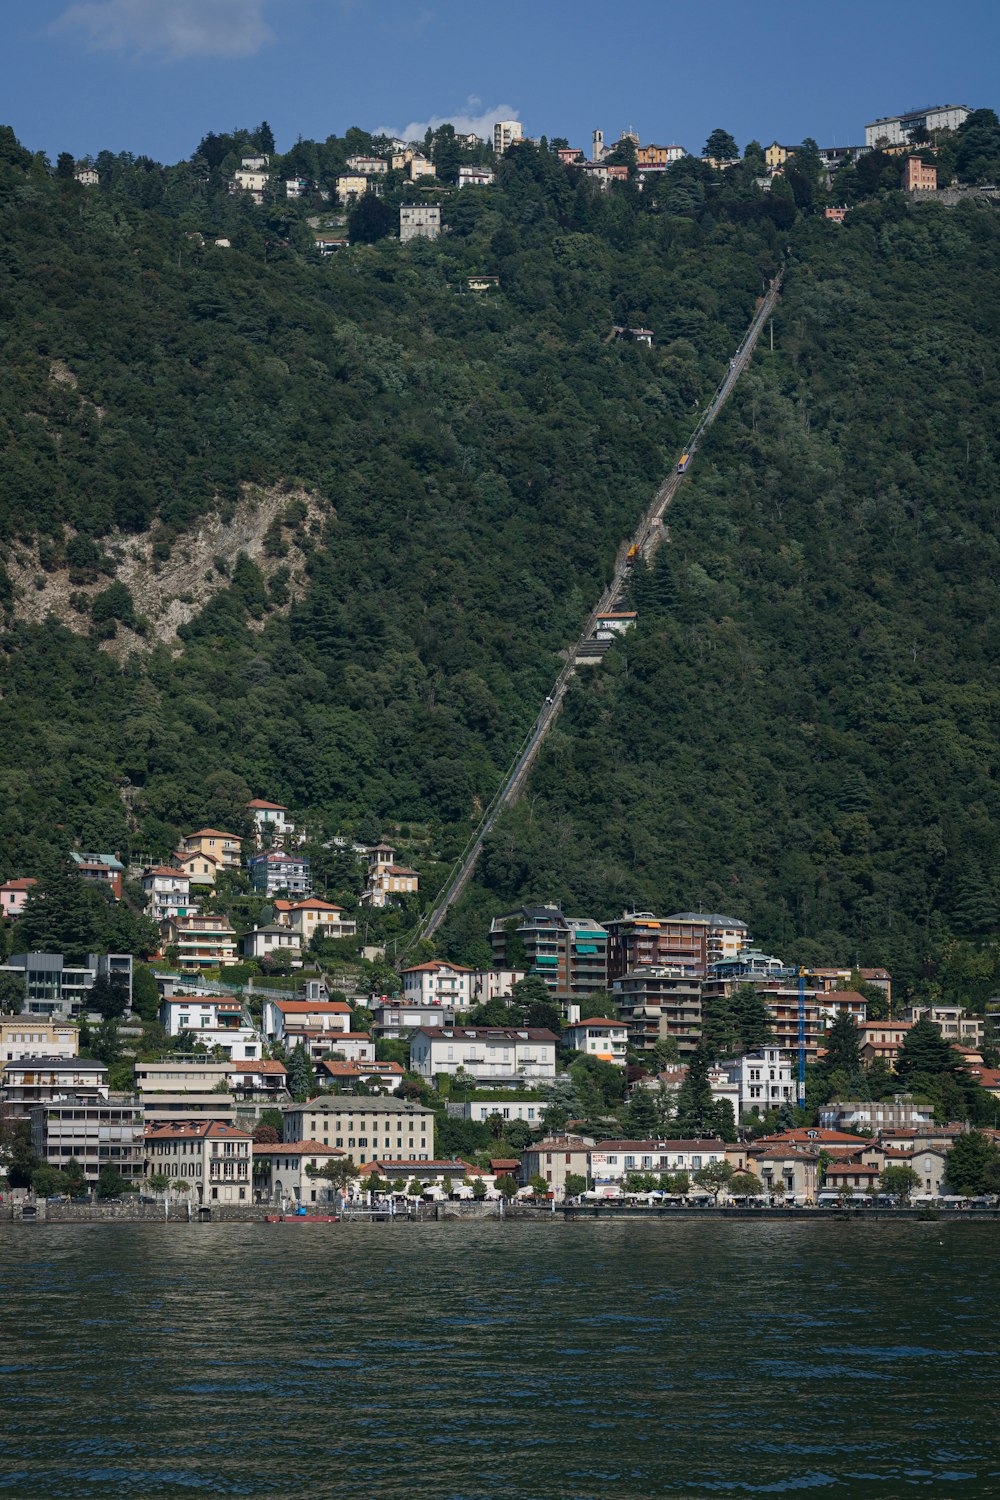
<point x="314" y="904"/>
<point x="648" y="1146"/>
<point x="361" y="1069"/>
<point x="195" y="1130"/>
<point x="604" y="1022"/>
<point x="258" y="802"/>
<point x="813" y="1136"/>
<point x="216" y="833"/>
<point x="170" y="870"/>
<point x="257" y="1067"/>
<point x="295" y="1148"/>
<point x="23" y="883"/>
<point x="312" y="1007"/>
<point x="433" y="965"/>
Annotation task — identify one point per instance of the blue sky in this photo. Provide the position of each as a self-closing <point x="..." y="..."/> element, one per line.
<point x="153" y="76"/>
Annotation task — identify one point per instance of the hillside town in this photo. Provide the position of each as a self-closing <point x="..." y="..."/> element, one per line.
<point x="421" y="177"/>
<point x="655" y="1058"/>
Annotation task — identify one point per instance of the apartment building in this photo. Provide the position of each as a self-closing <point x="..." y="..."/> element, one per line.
<point x="203" y="940"/>
<point x="658" y="1003"/>
<point x="640" y="940"/>
<point x="57" y="988"/>
<point x="184" y="1089"/>
<point x="168" y="892"/>
<point x="391" y="1129"/>
<point x="271" y="820"/>
<point x="222" y="847"/>
<point x="35" y="1080"/>
<point x="277" y="871"/>
<point x="554" y="1159"/>
<point x="493" y="984"/>
<point x="489" y="1054"/>
<point x="419" y="221"/>
<point x="393" y="1017"/>
<point x="282" y="1016"/>
<point x="200" y="1013"/>
<point x="97" y="1132"/>
<point x="919" y="176"/>
<point x="569" y="953"/>
<point x="762" y="1080"/>
<point x="313" y="915"/>
<point x="505" y="134"/>
<point x="33" y="1036"/>
<point x="598" y="1037"/>
<point x="894" y="130"/>
<point x="612" y="1161"/>
<point x="213" y="1158"/>
<point x="437" y="981"/>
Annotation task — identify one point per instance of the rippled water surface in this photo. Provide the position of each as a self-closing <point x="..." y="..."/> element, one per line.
<point x="606" y="1361"/>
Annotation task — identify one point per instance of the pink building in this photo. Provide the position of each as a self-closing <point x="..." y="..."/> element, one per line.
<point x="834" y="214"/>
<point x="14" y="894"/>
<point x="918" y="177"/>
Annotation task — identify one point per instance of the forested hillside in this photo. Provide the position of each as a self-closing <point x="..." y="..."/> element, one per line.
<point x="803" y="726"/>
<point x="317" y="530"/>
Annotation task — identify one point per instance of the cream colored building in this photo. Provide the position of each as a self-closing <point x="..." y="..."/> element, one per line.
<point x="419" y="166"/>
<point x="364" y="1126"/>
<point x="33" y="1036"/>
<point x="351" y="185"/>
<point x="315" y="915"/>
<point x="505" y="133"/>
<point x="418" y="221"/>
<point x="212" y="1157"/>
<point x="223" y="847"/>
<point x="556" y="1158"/>
<point x="285" y="1172"/>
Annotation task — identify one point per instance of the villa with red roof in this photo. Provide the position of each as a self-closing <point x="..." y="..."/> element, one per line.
<point x="14" y="894"/>
<point x="305" y="1015"/>
<point x="598" y="1037"/>
<point x="437" y="983"/>
<point x="213" y="1158"/>
<point x="222" y="847"/>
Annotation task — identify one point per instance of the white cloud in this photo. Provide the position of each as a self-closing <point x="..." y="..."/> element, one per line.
<point x="465" y="120"/>
<point x="173" y="29"/>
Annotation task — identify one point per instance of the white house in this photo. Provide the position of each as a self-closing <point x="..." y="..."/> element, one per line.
<point x="611" y="1161"/>
<point x="492" y="984"/>
<point x="200" y="1013"/>
<point x="305" y="1015"/>
<point x="315" y="915"/>
<point x="168" y="892"/>
<point x="500" y="1054"/>
<point x="763" y="1080"/>
<point x="598" y="1037"/>
<point x="475" y="177"/>
<point x="264" y="941"/>
<point x="395" y="1017"/>
<point x="270" y="818"/>
<point x="437" y="981"/>
<point x="481" y="1110"/>
<point x="350" y="1046"/>
<point x="364" y="1125"/>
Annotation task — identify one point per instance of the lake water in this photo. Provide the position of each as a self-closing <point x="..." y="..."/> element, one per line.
<point x="608" y="1361"/>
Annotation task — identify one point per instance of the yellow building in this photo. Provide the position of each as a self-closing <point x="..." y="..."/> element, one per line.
<point x="224" y="848"/>
<point x="36" y="1036"/>
<point x="652" y="156"/>
<point x="351" y="186"/>
<point x="776" y="156"/>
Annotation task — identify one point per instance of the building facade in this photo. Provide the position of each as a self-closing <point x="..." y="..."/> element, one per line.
<point x="488" y="1054"/>
<point x="444" y="983"/>
<point x="657" y="1004"/>
<point x="569" y="953"/>
<point x="277" y="871"/>
<point x="203" y="940"/>
<point x="95" y="1132"/>
<point x="32" y="1036"/>
<point x="894" y="130"/>
<point x="598" y="1037"/>
<point x="391" y="1129"/>
<point x="213" y="1158"/>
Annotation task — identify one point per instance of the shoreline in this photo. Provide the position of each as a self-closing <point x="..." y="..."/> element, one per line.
<point x="455" y="1213"/>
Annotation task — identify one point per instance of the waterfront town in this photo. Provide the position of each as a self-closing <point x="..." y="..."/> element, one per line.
<point x="661" y="1058"/>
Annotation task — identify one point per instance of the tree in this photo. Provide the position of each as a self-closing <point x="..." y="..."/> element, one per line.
<point x="478" y="1189"/>
<point x="274" y="1119"/>
<point x="642" y="1118"/>
<point x="714" y="1177"/>
<point x="972" y="1163"/>
<point x="266" y="1135"/>
<point x="76" y="1181"/>
<point x="370" y="220"/>
<point x="721" y="146"/>
<point x="13" y="994"/>
<point x="145" y="994"/>
<point x="340" y="1172"/>
<point x="48" y="1181"/>
<point x="159" y="1182"/>
<point x="17" y="1158"/>
<point x="696" y="1113"/>
<point x="576" y="1184"/>
<point x="924" y="1050"/>
<point x="110" y="1182"/>
<point x="539" y="1186"/>
<point x="300" y="1073"/>
<point x="745" y="1185"/>
<point x="898" y="1180"/>
<point x="109" y="998"/>
<point x="843" y="1047"/>
<point x="518" y="1135"/>
<point x="65" y="165"/>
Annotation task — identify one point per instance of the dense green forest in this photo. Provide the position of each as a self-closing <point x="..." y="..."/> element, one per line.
<point x="802" y="728"/>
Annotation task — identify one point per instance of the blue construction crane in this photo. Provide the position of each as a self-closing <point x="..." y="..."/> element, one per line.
<point x="802" y="1037"/>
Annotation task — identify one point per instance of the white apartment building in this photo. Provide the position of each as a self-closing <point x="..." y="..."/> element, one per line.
<point x="599" y="1037"/>
<point x="894" y="130"/>
<point x="264" y="941"/>
<point x="492" y="984"/>
<point x="611" y="1161"/>
<point x="281" y="1016"/>
<point x="97" y="1132"/>
<point x="367" y="166"/>
<point x="212" y="1157"/>
<point x="34" y="1036"/>
<point x="488" y="1054"/>
<point x="35" y="1080"/>
<point x="762" y="1080"/>
<point x="447" y="984"/>
<point x="481" y="1110"/>
<point x="475" y="177"/>
<point x="168" y="892"/>
<point x="393" y="1017"/>
<point x="389" y="1129"/>
<point x="270" y="818"/>
<point x="418" y="221"/>
<point x="180" y="1013"/>
<point x="505" y="133"/>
